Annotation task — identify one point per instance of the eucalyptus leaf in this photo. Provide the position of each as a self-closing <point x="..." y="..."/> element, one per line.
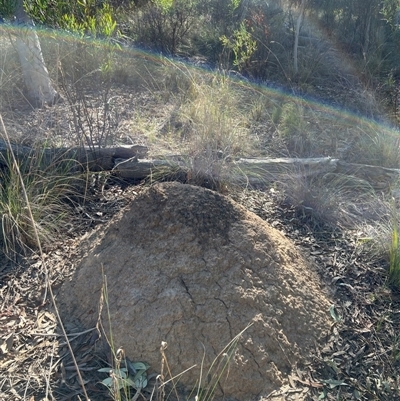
<point x="335" y="383"/>
<point x="105" y="370"/>
<point x="333" y="365"/>
<point x="335" y="317"/>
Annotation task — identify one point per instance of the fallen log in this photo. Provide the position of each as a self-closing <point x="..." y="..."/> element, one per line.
<point x="130" y="162"/>
<point x="380" y="178"/>
<point x="85" y="157"/>
<point x="258" y="171"/>
<point x="140" y="169"/>
<point x="261" y="171"/>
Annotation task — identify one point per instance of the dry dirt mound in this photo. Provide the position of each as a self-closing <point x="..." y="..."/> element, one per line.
<point x="190" y="267"/>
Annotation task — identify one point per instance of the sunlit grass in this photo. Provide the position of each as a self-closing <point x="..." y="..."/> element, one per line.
<point x="48" y="189"/>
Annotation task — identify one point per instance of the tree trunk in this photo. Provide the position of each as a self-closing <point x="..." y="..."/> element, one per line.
<point x="366" y="35"/>
<point x="36" y="76"/>
<point x="296" y="36"/>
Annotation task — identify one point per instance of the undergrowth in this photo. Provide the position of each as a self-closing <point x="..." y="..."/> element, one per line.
<point x="50" y="189"/>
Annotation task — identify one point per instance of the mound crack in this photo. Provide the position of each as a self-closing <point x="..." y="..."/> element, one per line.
<point x="187" y="289"/>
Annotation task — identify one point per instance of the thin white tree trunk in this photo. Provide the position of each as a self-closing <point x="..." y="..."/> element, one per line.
<point x="296" y="36"/>
<point x="366" y="34"/>
<point x="36" y="76"/>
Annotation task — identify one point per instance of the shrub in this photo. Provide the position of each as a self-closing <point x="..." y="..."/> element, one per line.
<point x="164" y="27"/>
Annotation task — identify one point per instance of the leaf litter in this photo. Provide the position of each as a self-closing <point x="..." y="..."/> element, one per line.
<point x="361" y="357"/>
<point x="359" y="361"/>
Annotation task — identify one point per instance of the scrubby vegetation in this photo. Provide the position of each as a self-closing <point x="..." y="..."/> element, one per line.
<point x="214" y="81"/>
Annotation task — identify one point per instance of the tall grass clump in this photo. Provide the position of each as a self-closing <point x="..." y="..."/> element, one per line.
<point x="383" y="243"/>
<point x="330" y="198"/>
<point x="15" y="185"/>
<point x="47" y="188"/>
<point x="378" y="146"/>
<point x="293" y="129"/>
<point x="214" y="128"/>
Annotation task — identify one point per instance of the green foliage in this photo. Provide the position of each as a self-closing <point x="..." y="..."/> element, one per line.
<point x="242" y="44"/>
<point x="7" y="8"/>
<point x="293" y="128"/>
<point x="235" y="4"/>
<point x="276" y="114"/>
<point x="77" y="16"/>
<point x="389" y="10"/>
<point x="165" y="25"/>
<point x="292" y="120"/>
<point x="165" y="5"/>
<point x="120" y="379"/>
<point x="100" y="24"/>
<point x="254" y="32"/>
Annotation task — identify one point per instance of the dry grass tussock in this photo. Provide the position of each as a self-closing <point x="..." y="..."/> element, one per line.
<point x="114" y="96"/>
<point x="336" y="199"/>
